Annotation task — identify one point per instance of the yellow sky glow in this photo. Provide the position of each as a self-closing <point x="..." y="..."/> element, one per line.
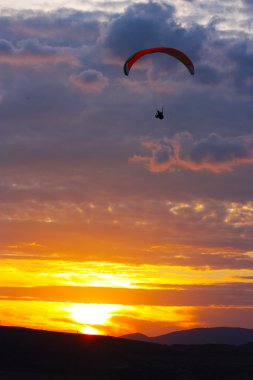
<point x="105" y="319"/>
<point x="106" y="274"/>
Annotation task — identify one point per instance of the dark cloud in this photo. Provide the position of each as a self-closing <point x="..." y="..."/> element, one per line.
<point x="207" y="74"/>
<point x="152" y="24"/>
<point x="6" y="48"/>
<point x="248" y="2"/>
<point x="213" y="153"/>
<point x="241" y="56"/>
<point x="218" y="60"/>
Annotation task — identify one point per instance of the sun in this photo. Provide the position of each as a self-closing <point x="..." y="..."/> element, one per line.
<point x="89" y="315"/>
<point x="90" y="330"/>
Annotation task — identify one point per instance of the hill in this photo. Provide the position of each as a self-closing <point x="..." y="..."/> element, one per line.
<point x="216" y="335"/>
<point x="33" y="354"/>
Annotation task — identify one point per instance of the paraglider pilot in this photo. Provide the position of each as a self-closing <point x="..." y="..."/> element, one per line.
<point x="159" y="114"/>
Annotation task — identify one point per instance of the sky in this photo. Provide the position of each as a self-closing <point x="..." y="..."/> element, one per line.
<point x="111" y="221"/>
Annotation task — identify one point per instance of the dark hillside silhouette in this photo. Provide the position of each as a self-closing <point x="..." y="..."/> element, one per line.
<point x="51" y="355"/>
<point x="216" y="335"/>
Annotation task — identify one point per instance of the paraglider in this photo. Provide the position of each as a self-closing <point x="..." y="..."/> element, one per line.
<point x="179" y="55"/>
<point x="159" y="114"/>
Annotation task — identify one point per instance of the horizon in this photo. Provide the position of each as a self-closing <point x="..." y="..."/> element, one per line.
<point x="131" y="334"/>
<point x="112" y="221"/>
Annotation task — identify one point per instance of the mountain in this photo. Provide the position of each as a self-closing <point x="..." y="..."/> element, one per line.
<point x="139" y="337"/>
<point x="213" y="335"/>
<point x="43" y="355"/>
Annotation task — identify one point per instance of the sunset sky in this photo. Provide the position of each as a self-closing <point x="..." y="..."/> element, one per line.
<point x="111" y="221"/>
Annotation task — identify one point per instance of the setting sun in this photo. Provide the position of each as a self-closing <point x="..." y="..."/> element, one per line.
<point x="89" y="315"/>
<point x="90" y="331"/>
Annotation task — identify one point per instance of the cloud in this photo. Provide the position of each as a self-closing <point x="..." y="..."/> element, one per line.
<point x="213" y="153"/>
<point x="90" y="80"/>
<point x="59" y="142"/>
<point x="207" y="74"/>
<point x="67" y="26"/>
<point x="247" y="2"/>
<point x="152" y="24"/>
<point x="201" y="258"/>
<point x="241" y="55"/>
<point x="226" y="294"/>
<point x="218" y="61"/>
<point x="31" y="51"/>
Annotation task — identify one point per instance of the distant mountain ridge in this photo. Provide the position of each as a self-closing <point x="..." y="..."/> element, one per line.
<point x="210" y="335"/>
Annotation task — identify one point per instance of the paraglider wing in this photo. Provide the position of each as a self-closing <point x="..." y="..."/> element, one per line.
<point x="170" y="51"/>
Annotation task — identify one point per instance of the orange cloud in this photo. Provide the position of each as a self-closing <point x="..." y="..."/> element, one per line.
<point x="214" y="153"/>
<point x="90" y="80"/>
<point x="224" y="294"/>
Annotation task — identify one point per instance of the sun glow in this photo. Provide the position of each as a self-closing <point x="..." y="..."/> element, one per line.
<point x="90" y="315"/>
<point x="90" y="330"/>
